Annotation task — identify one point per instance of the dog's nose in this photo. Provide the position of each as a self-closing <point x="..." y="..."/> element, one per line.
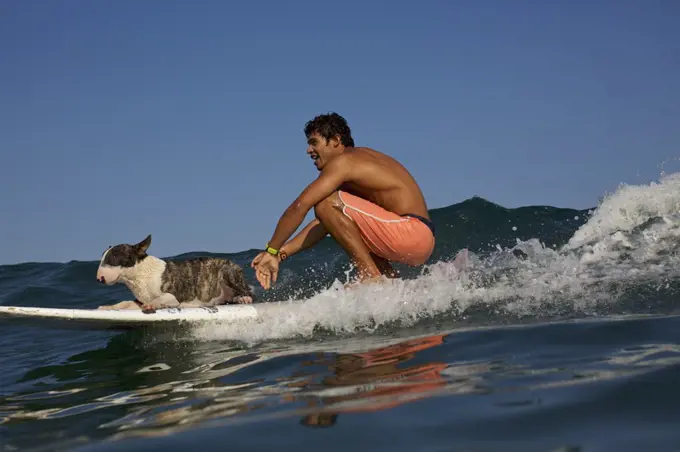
<point x="102" y="280"/>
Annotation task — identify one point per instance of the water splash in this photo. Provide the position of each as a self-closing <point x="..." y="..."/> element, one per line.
<point x="631" y="239"/>
<point x="629" y="207"/>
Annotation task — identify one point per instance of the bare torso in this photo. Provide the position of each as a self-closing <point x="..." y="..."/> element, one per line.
<point x="382" y="180"/>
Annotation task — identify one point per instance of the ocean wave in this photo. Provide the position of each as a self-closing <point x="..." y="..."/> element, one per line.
<point x="491" y="264"/>
<point x="627" y="255"/>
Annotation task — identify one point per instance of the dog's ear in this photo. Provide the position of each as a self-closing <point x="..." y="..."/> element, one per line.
<point x="142" y="246"/>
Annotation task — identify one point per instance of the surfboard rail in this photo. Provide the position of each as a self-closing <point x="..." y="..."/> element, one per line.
<point x="114" y="319"/>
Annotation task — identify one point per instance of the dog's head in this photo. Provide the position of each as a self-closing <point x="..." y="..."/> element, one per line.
<point x="121" y="259"/>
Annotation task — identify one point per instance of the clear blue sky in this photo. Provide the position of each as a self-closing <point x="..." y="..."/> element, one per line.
<point x="184" y="119"/>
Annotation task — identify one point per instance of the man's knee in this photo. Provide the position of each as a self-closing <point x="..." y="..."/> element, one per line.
<point x="328" y="206"/>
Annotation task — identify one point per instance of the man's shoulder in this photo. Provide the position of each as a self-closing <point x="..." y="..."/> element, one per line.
<point x="362" y="153"/>
<point x="364" y="150"/>
<point x="351" y="158"/>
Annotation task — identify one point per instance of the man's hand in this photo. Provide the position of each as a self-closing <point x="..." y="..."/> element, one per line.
<point x="266" y="268"/>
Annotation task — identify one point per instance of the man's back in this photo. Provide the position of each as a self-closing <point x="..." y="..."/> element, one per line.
<point x="381" y="179"/>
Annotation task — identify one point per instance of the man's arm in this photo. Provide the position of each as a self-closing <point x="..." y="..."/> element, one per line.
<point x="333" y="175"/>
<point x="312" y="234"/>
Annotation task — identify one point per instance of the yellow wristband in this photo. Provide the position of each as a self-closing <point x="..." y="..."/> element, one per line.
<point x="271" y="250"/>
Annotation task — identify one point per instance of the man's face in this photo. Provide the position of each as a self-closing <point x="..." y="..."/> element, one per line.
<point x="320" y="150"/>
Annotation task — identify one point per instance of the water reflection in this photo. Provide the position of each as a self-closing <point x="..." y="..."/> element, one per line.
<point x="378" y="379"/>
<point x="156" y="389"/>
<point x="320" y="385"/>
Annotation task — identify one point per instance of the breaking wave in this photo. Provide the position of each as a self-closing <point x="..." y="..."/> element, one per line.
<point x="623" y="259"/>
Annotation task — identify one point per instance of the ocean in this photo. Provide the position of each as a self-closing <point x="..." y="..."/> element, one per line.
<point x="560" y="334"/>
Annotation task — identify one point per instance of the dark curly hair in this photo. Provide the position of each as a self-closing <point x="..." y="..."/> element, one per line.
<point x="328" y="126"/>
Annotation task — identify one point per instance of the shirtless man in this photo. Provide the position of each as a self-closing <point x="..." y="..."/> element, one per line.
<point x="367" y="201"/>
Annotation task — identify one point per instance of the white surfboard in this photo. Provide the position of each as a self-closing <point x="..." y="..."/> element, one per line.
<point x="132" y="318"/>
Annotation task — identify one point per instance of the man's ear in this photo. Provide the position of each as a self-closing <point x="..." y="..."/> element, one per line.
<point x="142" y="246"/>
<point x="335" y="141"/>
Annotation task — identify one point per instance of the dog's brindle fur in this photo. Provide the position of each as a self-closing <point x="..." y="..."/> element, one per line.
<point x="157" y="283"/>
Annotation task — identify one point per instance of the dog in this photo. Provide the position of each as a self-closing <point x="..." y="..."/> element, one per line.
<point x="158" y="283"/>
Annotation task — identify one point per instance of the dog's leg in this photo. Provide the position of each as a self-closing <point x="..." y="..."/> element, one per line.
<point x="165" y="300"/>
<point x="122" y="305"/>
<point x="229" y="295"/>
<point x="234" y="286"/>
<point x="225" y="296"/>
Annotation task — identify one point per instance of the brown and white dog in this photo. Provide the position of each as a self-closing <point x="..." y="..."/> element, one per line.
<point x="158" y="283"/>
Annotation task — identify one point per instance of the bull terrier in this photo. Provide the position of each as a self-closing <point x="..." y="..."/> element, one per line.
<point x="158" y="283"/>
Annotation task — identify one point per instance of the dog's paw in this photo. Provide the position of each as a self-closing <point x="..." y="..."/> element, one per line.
<point x="148" y="309"/>
<point x="243" y="299"/>
<point x="123" y="305"/>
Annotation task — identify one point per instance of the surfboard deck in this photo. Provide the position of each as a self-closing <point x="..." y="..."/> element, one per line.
<point x="130" y="319"/>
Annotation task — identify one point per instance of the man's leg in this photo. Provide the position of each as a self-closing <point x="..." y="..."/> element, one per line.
<point x="393" y="237"/>
<point x="348" y="236"/>
<point x="384" y="266"/>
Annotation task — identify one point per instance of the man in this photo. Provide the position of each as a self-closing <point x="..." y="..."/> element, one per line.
<point x="367" y="201"/>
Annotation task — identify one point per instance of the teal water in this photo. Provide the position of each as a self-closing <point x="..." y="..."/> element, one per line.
<point x="560" y="335"/>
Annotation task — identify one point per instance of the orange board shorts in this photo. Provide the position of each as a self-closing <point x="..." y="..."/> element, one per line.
<point x="397" y="238"/>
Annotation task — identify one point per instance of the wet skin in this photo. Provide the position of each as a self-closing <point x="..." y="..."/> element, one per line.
<point x="361" y="171"/>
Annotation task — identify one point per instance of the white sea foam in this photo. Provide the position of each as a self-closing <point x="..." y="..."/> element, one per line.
<point x="630" y="206"/>
<point x="630" y="239"/>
